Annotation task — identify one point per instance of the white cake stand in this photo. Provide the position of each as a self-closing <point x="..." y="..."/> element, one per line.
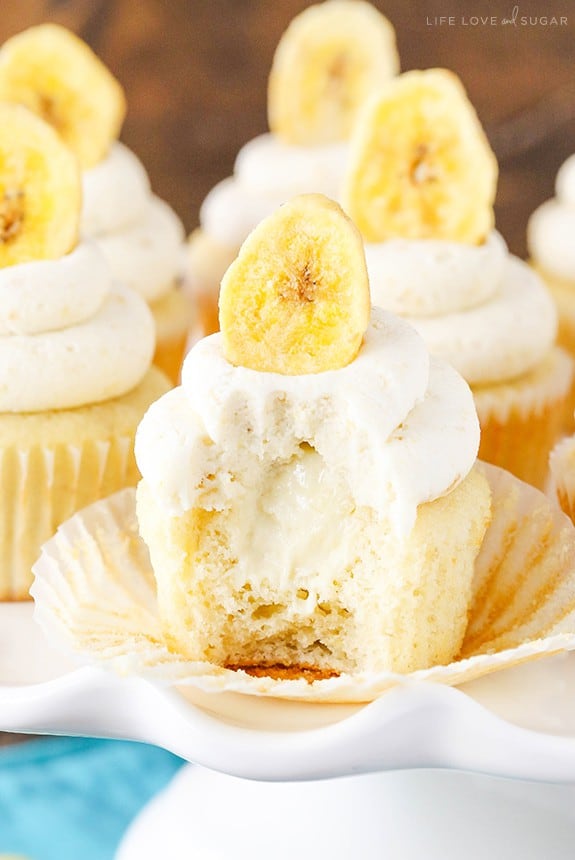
<point x="390" y="800"/>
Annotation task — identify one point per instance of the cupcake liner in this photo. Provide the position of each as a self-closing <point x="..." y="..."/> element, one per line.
<point x="95" y="594"/>
<point x="564" y="296"/>
<point x="43" y="486"/>
<point x="205" y="265"/>
<point x="169" y="355"/>
<point x="174" y="317"/>
<point x="522" y="420"/>
<point x="53" y="464"/>
<point x="562" y="466"/>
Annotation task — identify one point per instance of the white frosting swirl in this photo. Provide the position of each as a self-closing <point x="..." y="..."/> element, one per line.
<point x="147" y="255"/>
<point x="551" y="228"/>
<point x="550" y="233"/>
<point x="53" y="294"/>
<point x="68" y="335"/>
<point x="140" y="236"/>
<point x="428" y="277"/>
<point x="266" y="162"/>
<point x="500" y="339"/>
<point x="267" y="173"/>
<point x="400" y="429"/>
<point x="479" y="308"/>
<point x="565" y="182"/>
<point x="114" y="192"/>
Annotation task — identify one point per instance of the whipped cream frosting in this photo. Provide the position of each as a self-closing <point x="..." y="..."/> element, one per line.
<point x="146" y="256"/>
<point x="114" y="192"/>
<point x="267" y="173"/>
<point x="478" y="307"/>
<point x="399" y="427"/>
<point x="69" y="336"/>
<point x="551" y="228"/>
<point x="140" y="236"/>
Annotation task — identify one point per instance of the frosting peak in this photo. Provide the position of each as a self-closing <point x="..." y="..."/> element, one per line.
<point x="68" y="335"/>
<point x="476" y="306"/>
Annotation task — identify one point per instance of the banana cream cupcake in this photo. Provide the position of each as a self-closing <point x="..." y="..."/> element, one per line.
<point x="550" y="244"/>
<point x="331" y="57"/>
<point x="52" y="72"/>
<point x="421" y="186"/>
<point x="75" y="352"/>
<point x="308" y="496"/>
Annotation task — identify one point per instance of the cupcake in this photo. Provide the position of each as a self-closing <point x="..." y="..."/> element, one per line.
<point x="331" y="57"/>
<point x="55" y="74"/>
<point x="75" y="352"/>
<point x="549" y="233"/>
<point x="309" y="497"/>
<point x="420" y="186"/>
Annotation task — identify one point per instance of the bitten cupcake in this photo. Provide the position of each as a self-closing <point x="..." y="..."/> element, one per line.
<point x="75" y="352"/>
<point x="329" y="60"/>
<point x="55" y="74"/>
<point x="308" y="497"/>
<point x="421" y="186"/>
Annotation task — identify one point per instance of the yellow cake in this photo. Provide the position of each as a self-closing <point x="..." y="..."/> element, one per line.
<point x="56" y="462"/>
<point x="308" y="496"/>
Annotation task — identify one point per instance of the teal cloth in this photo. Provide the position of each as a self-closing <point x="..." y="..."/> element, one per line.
<point x="73" y="798"/>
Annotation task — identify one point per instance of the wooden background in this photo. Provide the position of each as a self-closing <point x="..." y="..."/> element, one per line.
<point x="195" y="75"/>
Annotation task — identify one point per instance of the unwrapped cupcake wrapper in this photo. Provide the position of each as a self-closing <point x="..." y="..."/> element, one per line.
<point x="562" y="464"/>
<point x="95" y="594"/>
<point x="41" y="487"/>
<point x="520" y="426"/>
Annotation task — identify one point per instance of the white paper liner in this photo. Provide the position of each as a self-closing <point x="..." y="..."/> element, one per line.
<point x="33" y="501"/>
<point x="95" y="594"/>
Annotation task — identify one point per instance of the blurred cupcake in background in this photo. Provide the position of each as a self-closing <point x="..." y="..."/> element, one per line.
<point x="75" y="352"/>
<point x="550" y="232"/>
<point x="55" y="74"/>
<point x="329" y="60"/>
<point x="421" y="186"/>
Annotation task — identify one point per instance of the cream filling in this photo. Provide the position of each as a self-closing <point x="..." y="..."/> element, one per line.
<point x="286" y="529"/>
<point x="267" y="173"/>
<point x="397" y="429"/>
<point x="97" y="359"/>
